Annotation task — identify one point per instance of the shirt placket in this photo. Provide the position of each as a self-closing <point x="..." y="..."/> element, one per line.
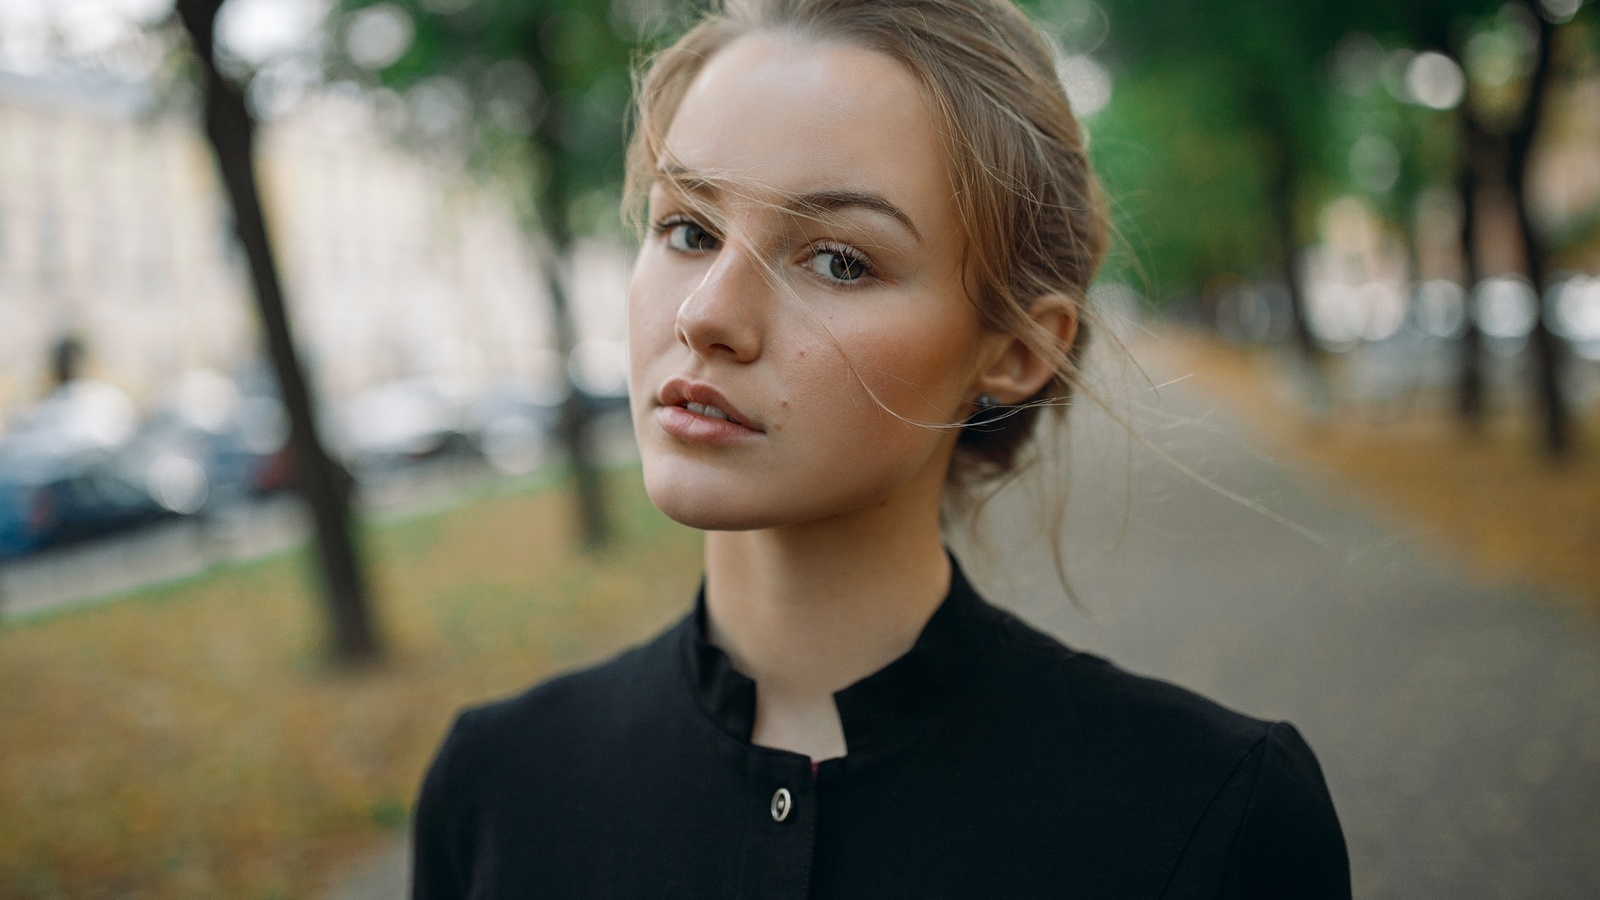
<point x="781" y="831"/>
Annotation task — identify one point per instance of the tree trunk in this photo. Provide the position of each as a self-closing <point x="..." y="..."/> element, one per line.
<point x="577" y="419"/>
<point x="1475" y="146"/>
<point x="1304" y="338"/>
<point x="1283" y="187"/>
<point x="577" y="414"/>
<point x="325" y="485"/>
<point x="1548" y="351"/>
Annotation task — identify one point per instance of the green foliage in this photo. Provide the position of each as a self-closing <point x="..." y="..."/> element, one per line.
<point x="1184" y="179"/>
<point x="545" y="85"/>
<point x="1218" y="129"/>
<point x="1228" y="127"/>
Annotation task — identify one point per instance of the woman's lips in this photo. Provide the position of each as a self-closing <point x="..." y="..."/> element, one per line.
<point x="698" y="428"/>
<point x="696" y="412"/>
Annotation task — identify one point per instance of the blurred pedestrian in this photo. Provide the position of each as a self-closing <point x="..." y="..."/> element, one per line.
<point x="66" y="361"/>
<point x="871" y="229"/>
<point x="78" y="415"/>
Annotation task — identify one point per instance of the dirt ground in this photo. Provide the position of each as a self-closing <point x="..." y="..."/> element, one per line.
<point x="1492" y="501"/>
<point x="191" y="740"/>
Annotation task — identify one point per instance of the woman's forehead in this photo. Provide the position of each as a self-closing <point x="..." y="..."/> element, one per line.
<point x="787" y="117"/>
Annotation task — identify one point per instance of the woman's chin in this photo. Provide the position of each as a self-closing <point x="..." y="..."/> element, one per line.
<point x="703" y="512"/>
<point x="714" y="504"/>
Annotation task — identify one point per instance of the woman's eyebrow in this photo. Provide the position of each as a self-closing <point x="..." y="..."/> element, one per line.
<point x="685" y="181"/>
<point x="809" y="204"/>
<point x="687" y="184"/>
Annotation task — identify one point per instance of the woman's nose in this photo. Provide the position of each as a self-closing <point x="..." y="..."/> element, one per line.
<point x="722" y="315"/>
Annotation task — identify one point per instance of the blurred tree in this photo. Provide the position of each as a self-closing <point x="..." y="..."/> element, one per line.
<point x="1476" y="148"/>
<point x="1436" y="26"/>
<point x="1501" y="117"/>
<point x="1192" y="202"/>
<point x="1247" y="77"/>
<point x="544" y="85"/>
<point x="325" y="484"/>
<point x="1253" y="75"/>
<point x="1548" y="350"/>
<point x="1254" y="78"/>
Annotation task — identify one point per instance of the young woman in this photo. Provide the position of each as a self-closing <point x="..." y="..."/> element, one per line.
<point x="871" y="228"/>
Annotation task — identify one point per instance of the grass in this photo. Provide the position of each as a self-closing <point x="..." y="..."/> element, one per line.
<point x="1490" y="502"/>
<point x="191" y="740"/>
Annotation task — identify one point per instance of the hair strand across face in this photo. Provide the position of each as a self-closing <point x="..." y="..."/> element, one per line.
<point x="1030" y="210"/>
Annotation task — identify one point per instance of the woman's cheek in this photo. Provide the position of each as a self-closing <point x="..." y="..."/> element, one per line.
<point x="652" y="309"/>
<point x="909" y="369"/>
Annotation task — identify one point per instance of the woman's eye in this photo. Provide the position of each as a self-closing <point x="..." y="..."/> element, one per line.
<point x="688" y="237"/>
<point x="837" y="264"/>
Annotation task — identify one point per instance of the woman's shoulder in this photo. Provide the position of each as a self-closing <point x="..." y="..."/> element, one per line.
<point x="1247" y="798"/>
<point x="1083" y="686"/>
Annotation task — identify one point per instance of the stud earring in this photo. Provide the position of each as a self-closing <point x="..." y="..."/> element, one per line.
<point x="989" y="409"/>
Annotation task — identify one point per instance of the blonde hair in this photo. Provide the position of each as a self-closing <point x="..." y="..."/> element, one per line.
<point x="1026" y="197"/>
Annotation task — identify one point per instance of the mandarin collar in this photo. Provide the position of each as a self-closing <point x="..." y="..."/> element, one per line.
<point x="886" y="707"/>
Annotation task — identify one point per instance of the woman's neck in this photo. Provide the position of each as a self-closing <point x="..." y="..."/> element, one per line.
<point x="808" y="610"/>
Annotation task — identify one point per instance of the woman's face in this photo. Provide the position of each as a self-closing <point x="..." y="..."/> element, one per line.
<point x="801" y="278"/>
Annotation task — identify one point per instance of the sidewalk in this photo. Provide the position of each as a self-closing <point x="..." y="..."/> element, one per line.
<point x="1458" y="724"/>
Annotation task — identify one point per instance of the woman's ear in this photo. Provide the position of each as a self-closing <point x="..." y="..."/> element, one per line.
<point x="1016" y="371"/>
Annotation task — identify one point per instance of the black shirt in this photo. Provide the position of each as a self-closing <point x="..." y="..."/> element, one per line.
<point x="988" y="761"/>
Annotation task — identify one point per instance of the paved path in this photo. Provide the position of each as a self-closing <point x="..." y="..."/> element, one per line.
<point x="1458" y="724"/>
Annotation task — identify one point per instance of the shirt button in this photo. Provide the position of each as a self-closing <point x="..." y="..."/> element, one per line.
<point x="781" y="804"/>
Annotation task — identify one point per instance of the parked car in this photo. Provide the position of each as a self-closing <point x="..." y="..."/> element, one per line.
<point x="211" y="439"/>
<point x="513" y="423"/>
<point x="261" y="432"/>
<point x="63" y="472"/>
<point x="392" y="424"/>
<point x="516" y="423"/>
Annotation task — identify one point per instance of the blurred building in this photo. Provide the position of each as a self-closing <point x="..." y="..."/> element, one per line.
<point x="109" y="229"/>
<point x="113" y="227"/>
